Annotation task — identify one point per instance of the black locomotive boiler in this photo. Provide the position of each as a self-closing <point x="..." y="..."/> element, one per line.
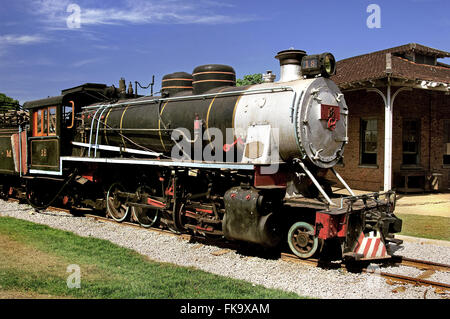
<point x="205" y="157"/>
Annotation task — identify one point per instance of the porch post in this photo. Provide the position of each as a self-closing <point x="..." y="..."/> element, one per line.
<point x="387" y="135"/>
<point x="388" y="141"/>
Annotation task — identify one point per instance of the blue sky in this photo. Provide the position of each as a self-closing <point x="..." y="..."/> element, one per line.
<point x="40" y="55"/>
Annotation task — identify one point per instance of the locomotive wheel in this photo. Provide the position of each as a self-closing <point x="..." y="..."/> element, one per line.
<point x="37" y="194"/>
<point x="302" y="241"/>
<point x="115" y="206"/>
<point x="146" y="217"/>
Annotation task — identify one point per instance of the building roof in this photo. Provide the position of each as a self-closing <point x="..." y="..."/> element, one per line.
<point x="378" y="65"/>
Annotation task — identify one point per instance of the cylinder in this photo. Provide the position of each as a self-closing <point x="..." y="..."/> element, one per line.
<point x="210" y="76"/>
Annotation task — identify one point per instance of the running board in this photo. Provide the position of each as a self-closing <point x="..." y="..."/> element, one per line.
<point x="116" y="149"/>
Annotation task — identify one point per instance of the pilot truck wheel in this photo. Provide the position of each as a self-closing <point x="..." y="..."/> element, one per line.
<point x="302" y="241"/>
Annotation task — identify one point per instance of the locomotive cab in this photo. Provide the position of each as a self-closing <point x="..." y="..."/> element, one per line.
<point x="53" y="126"/>
<point x="44" y="142"/>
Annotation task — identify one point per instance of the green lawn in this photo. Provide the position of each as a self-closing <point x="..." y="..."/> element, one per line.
<point x="35" y="258"/>
<point x="432" y="227"/>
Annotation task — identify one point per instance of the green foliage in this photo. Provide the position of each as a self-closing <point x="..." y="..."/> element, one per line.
<point x="6" y="101"/>
<point x="250" y="79"/>
<point x="107" y="270"/>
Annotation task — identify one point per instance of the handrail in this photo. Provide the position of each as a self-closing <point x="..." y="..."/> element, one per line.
<point x="73" y="114"/>
<point x="193" y="97"/>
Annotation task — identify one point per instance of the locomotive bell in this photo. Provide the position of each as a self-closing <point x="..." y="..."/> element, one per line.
<point x="290" y="64"/>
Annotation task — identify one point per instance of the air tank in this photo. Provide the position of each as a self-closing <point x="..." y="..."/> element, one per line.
<point x="175" y="83"/>
<point x="210" y="76"/>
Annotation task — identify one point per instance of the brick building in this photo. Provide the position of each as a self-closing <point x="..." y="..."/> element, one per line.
<point x="399" y="119"/>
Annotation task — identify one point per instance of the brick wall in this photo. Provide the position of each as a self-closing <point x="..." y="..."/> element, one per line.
<point x="416" y="104"/>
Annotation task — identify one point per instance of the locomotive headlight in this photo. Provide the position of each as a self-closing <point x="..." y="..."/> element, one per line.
<point x="319" y="64"/>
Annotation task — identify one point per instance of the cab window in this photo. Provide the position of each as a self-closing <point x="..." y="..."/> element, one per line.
<point x="44" y="121"/>
<point x="52" y="121"/>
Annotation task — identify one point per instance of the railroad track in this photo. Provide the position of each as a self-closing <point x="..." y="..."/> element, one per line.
<point x="428" y="266"/>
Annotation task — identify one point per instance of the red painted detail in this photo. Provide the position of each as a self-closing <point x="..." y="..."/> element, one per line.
<point x="15" y="149"/>
<point x="169" y="191"/>
<point x="248" y="197"/>
<point x="360" y="240"/>
<point x="90" y="173"/>
<point x="331" y="123"/>
<point x="330" y="226"/>
<point x="197" y="124"/>
<point x="375" y="248"/>
<point x="65" y="200"/>
<point x="383" y="251"/>
<point x="209" y="211"/>
<point x="330" y="113"/>
<point x="227" y="147"/>
<point x="278" y="179"/>
<point x="233" y="195"/>
<point x="190" y="214"/>
<point x="161" y="179"/>
<point x="205" y="228"/>
<point x="155" y="203"/>
<point x="367" y="247"/>
<point x="11" y="191"/>
<point x="371" y="246"/>
<point x="89" y="176"/>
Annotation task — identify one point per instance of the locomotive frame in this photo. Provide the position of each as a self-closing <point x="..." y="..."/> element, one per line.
<point x="98" y="147"/>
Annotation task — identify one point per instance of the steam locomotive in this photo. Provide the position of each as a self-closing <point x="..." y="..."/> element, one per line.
<point x="247" y="163"/>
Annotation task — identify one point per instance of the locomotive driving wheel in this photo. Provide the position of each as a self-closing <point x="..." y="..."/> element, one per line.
<point x="146" y="217"/>
<point x="302" y="241"/>
<point x="115" y="204"/>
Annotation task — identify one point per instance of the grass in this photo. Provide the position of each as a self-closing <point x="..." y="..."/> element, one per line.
<point x="35" y="258"/>
<point x="432" y="227"/>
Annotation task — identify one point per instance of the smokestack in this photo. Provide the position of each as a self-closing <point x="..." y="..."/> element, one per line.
<point x="290" y="64"/>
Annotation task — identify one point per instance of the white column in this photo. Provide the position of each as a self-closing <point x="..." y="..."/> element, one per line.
<point x="388" y="141"/>
<point x="389" y="114"/>
<point x="387" y="136"/>
<point x="388" y="120"/>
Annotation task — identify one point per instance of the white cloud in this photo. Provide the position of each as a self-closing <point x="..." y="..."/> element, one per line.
<point x="85" y="62"/>
<point x="9" y="40"/>
<point x="15" y="39"/>
<point x="54" y="14"/>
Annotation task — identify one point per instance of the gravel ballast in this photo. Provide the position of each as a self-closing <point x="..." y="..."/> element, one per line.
<point x="301" y="279"/>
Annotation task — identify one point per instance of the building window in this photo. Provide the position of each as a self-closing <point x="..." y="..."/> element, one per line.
<point x="411" y="141"/>
<point x="369" y="135"/>
<point x="446" y="160"/>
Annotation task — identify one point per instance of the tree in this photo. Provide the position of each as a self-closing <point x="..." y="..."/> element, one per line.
<point x="250" y="79"/>
<point x="6" y="101"/>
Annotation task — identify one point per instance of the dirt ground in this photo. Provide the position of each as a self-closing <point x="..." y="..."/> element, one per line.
<point x="424" y="204"/>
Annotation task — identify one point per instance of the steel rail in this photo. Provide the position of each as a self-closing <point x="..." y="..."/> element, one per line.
<point x="414" y="280"/>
